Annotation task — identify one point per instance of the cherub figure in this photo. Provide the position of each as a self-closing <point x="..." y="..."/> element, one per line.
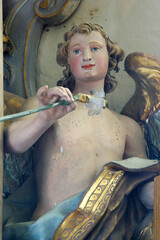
<point x="70" y="146"/>
<point x="115" y="55"/>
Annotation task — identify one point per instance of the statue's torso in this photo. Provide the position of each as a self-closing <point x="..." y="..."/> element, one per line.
<point x="72" y="152"/>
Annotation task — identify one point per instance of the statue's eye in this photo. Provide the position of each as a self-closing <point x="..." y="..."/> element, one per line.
<point x="94" y="49"/>
<point x="76" y="51"/>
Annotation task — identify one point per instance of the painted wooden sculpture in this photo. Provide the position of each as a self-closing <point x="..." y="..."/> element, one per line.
<point x="143" y="68"/>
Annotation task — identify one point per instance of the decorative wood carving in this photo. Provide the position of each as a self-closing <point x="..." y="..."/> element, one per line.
<point x="23" y="26"/>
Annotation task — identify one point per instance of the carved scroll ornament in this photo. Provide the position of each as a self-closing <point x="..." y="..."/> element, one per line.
<point x="23" y="26"/>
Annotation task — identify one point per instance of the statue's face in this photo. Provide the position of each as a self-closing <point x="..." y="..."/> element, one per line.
<point x="88" y="56"/>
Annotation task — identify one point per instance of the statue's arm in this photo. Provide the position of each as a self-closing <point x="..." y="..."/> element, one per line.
<point x="135" y="145"/>
<point x="22" y="134"/>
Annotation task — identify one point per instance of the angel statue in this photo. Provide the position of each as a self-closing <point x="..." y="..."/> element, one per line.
<point x="92" y="177"/>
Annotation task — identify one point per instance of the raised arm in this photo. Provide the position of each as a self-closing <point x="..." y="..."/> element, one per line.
<point x="23" y="133"/>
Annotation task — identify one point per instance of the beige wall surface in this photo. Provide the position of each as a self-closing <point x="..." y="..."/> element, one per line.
<point x="133" y="24"/>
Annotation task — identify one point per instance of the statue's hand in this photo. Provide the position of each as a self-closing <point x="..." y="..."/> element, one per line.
<point x="47" y="96"/>
<point x="146" y="194"/>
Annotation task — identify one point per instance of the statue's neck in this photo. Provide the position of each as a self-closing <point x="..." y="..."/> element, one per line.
<point x="87" y="87"/>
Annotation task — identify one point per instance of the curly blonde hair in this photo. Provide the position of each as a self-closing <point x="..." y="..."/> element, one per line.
<point x="116" y="54"/>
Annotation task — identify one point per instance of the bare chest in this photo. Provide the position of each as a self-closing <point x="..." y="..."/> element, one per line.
<point x="78" y="130"/>
<point x="76" y="148"/>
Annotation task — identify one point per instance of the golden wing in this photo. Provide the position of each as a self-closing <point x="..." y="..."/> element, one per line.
<point x="145" y="70"/>
<point x="12" y="104"/>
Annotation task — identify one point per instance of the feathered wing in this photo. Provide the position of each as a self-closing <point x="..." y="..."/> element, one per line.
<point x="145" y="71"/>
<point x="144" y="106"/>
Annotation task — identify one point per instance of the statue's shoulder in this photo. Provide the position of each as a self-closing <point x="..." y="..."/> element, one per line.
<point x="127" y="123"/>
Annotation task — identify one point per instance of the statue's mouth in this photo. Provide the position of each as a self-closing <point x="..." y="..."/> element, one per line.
<point x="88" y="66"/>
